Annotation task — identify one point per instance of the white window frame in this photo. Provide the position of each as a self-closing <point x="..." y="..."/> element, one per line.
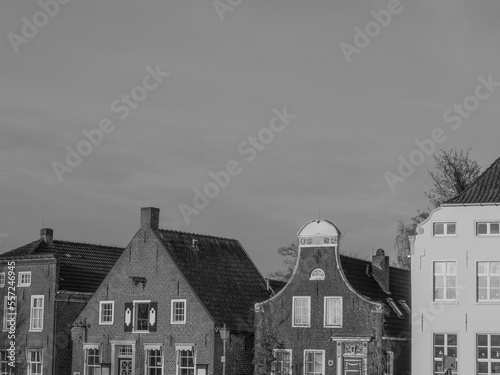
<point x="147" y="348"/>
<point x="20" y="282"/>
<point x="488" y="277"/>
<point x="325" y="308"/>
<point x="323" y="372"/>
<point x="2" y="279"/>
<point x="317" y="274"/>
<point x="488" y="228"/>
<point x="29" y="363"/>
<point x="490" y="361"/>
<point x="445" y="347"/>
<point x="7" y="312"/>
<point x="178" y="349"/>
<point x="434" y="298"/>
<point x="273" y="364"/>
<point x="86" y="348"/>
<point x="32" y="313"/>
<point x="172" y="312"/>
<point x="445" y="229"/>
<point x="134" y="327"/>
<point x="101" y="310"/>
<point x="308" y="324"/>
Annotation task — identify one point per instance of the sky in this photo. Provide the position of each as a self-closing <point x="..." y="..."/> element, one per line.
<point x="333" y="95"/>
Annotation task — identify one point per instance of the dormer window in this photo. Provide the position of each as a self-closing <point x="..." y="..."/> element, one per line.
<point x="488" y="228"/>
<point x="317" y="274"/>
<point x="445" y="229"/>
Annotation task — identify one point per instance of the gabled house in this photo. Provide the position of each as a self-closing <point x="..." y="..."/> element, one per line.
<point x="456" y="283"/>
<point x="337" y="315"/>
<point x="44" y="285"/>
<point x="174" y="303"/>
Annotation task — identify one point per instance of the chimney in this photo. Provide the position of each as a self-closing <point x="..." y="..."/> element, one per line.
<point x="47" y="234"/>
<point x="150" y="217"/>
<point x="380" y="269"/>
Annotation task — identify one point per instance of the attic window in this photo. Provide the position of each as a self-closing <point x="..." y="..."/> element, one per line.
<point x="403" y="303"/>
<point x="317" y="274"/>
<point x="395" y="307"/>
<point x="194" y="244"/>
<point x="138" y="280"/>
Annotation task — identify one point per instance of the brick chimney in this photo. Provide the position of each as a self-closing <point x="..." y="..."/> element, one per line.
<point x="380" y="269"/>
<point x="47" y="234"/>
<point x="150" y="217"/>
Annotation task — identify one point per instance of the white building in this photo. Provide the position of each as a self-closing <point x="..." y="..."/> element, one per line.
<point x="456" y="283"/>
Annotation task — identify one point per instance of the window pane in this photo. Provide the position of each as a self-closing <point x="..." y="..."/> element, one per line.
<point x="482" y="228"/>
<point x="494" y="228"/>
<point x="495" y="340"/>
<point x="495" y="268"/>
<point x="451" y="228"/>
<point x="450" y="268"/>
<point x="439" y="268"/>
<point x="438" y="228"/>
<point x="451" y="294"/>
<point x="482" y="268"/>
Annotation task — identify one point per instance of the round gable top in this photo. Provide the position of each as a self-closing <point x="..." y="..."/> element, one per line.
<point x="319" y="228"/>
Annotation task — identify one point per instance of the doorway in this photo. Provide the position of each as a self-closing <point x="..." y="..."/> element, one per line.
<point x="353" y="366"/>
<point x="124" y="366"/>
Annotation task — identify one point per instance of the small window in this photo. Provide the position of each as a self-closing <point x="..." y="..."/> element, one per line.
<point x="445" y="229"/>
<point x="405" y="305"/>
<point x="24" y="278"/>
<point x="141" y="311"/>
<point x="333" y="311"/>
<point x="154" y="360"/>
<point x="5" y="369"/>
<point x="34" y="359"/>
<point x="106" y="312"/>
<point x="301" y="311"/>
<point x="282" y="364"/>
<point x="36" y="317"/>
<point x="178" y="311"/>
<point x="488" y="228"/>
<point x="314" y="361"/>
<point x="445" y="281"/>
<point x="317" y="274"/>
<point x="395" y="307"/>
<point x="2" y="279"/>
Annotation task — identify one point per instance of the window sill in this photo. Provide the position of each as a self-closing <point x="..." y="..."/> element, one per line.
<point x="23" y="286"/>
<point x="301" y="326"/>
<point x="438" y="302"/>
<point x="36" y="330"/>
<point x="106" y="324"/>
<point x="332" y="326"/>
<point x="140" y="331"/>
<point x="178" y="322"/>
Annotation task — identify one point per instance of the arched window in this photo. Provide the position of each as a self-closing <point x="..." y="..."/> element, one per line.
<point x="317" y="274"/>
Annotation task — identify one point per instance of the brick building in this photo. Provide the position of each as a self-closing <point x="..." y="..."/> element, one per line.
<point x="52" y="281"/>
<point x="164" y="306"/>
<point x="337" y="315"/>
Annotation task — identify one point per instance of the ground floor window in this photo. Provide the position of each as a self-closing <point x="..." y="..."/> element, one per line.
<point x="154" y="362"/>
<point x="5" y="369"/>
<point x="92" y="361"/>
<point x="445" y="353"/>
<point x="488" y="354"/>
<point x="185" y="360"/>
<point x="34" y="359"/>
<point x="314" y="362"/>
<point x="282" y="364"/>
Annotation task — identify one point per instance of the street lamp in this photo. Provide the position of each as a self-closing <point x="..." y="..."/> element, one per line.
<point x="224" y="335"/>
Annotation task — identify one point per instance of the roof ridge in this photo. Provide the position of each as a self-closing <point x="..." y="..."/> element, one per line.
<point x="197" y="234"/>
<point x="370" y="262"/>
<point x="86" y="243"/>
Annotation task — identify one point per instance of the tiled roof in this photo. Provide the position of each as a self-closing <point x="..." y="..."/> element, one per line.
<point x="356" y="273"/>
<point x="82" y="266"/>
<point x="221" y="274"/>
<point x="486" y="189"/>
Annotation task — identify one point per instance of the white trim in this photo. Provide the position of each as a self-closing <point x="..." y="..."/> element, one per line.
<point x="19" y="276"/>
<point x="178" y="348"/>
<point x="434" y="299"/>
<point x="445" y="229"/>
<point x="112" y="312"/>
<point x="184" y="347"/>
<point x="321" y="275"/>
<point x="315" y="350"/>
<point x="28" y="350"/>
<point x="42" y="313"/>
<point x="325" y="315"/>
<point x="308" y="298"/>
<point x="2" y="279"/>
<point x="172" y="311"/>
<point x="114" y="343"/>
<point x="162" y="357"/>
<point x="134" y="310"/>
<point x="488" y="228"/>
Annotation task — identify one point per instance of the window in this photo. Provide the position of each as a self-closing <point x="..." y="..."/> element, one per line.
<point x="445" y="229"/>
<point x="317" y="274"/>
<point x="333" y="311"/>
<point x="301" y="311"/>
<point x="185" y="360"/>
<point x="34" y="359"/>
<point x="178" y="311"/>
<point x="488" y="228"/>
<point x="24" y="278"/>
<point x="141" y="316"/>
<point x="92" y="360"/>
<point x="395" y="307"/>
<point x="9" y="312"/>
<point x="405" y="305"/>
<point x="36" y="318"/>
<point x="125" y="351"/>
<point x="488" y="354"/>
<point x="282" y="364"/>
<point x="2" y="282"/>
<point x="488" y="281"/>
<point x="5" y="369"/>
<point x="445" y="353"/>
<point x="314" y="361"/>
<point x="154" y="362"/>
<point x="445" y="281"/>
<point x="106" y="309"/>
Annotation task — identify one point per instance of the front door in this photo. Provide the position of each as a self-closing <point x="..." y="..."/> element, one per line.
<point x="353" y="366"/>
<point x="124" y="366"/>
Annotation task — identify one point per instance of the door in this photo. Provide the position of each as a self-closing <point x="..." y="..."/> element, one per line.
<point x="124" y="366"/>
<point x="353" y="366"/>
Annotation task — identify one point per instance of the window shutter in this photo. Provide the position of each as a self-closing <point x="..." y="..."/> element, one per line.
<point x="153" y="316"/>
<point x="129" y="307"/>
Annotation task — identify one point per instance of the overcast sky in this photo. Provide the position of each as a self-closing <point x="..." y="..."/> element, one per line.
<point x="353" y="110"/>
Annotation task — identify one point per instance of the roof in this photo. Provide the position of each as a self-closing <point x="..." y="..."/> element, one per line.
<point x="221" y="274"/>
<point x="315" y="228"/>
<point x="82" y="266"/>
<point x="358" y="274"/>
<point x="276" y="285"/>
<point x="486" y="189"/>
